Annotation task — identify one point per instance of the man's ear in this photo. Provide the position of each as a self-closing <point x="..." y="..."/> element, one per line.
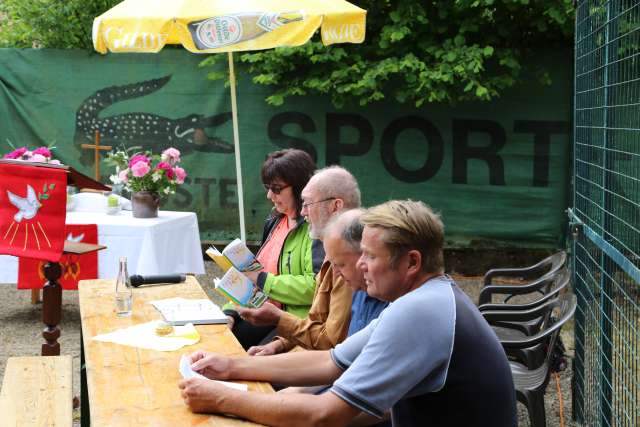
<point x="414" y="264"/>
<point x="339" y="204"/>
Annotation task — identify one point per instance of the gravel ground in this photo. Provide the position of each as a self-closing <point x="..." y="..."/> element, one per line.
<point x="21" y="335"/>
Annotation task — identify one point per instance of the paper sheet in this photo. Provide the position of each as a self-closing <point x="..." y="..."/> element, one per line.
<point x="144" y="336"/>
<point x="187" y="372"/>
<point x="179" y="311"/>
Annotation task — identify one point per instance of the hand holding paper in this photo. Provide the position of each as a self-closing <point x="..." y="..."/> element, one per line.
<point x="187" y="372"/>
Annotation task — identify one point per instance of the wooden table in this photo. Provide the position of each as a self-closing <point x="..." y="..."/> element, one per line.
<point x="138" y="387"/>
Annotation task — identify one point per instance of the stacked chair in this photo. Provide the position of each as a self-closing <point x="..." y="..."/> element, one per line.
<point x="529" y="330"/>
<point x="545" y="268"/>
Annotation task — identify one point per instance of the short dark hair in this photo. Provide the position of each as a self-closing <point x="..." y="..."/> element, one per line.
<point x="291" y="166"/>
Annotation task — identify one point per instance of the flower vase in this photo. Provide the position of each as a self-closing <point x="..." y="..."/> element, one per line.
<point x="145" y="204"/>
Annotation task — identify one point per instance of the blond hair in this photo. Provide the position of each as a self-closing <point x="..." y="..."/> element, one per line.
<point x="409" y="225"/>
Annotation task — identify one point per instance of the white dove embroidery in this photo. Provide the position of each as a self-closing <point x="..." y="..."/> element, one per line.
<point x="27" y="206"/>
<point x="76" y="239"/>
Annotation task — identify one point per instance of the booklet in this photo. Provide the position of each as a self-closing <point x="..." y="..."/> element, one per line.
<point x="180" y="311"/>
<point x="236" y="254"/>
<point x="239" y="289"/>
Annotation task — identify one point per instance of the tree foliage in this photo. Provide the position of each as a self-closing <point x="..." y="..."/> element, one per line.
<point x="49" y="23"/>
<point x="420" y="51"/>
<point x="415" y="51"/>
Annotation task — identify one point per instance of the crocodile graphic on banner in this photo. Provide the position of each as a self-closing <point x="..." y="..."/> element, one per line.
<point x="144" y="129"/>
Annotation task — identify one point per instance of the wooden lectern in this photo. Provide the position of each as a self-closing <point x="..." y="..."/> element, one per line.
<point x="52" y="291"/>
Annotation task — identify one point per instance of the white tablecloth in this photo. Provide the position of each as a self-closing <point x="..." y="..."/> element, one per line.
<point x="167" y="244"/>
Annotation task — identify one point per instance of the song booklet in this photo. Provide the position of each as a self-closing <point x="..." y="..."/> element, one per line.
<point x="236" y="254"/>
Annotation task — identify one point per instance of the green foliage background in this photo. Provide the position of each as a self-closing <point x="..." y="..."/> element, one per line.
<point x="415" y="51"/>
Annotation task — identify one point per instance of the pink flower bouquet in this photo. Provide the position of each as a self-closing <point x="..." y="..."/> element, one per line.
<point x="40" y="155"/>
<point x="147" y="172"/>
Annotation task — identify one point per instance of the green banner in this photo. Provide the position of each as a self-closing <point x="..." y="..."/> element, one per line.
<point x="498" y="172"/>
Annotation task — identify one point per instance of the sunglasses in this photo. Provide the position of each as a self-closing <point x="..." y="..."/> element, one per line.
<point x="275" y="189"/>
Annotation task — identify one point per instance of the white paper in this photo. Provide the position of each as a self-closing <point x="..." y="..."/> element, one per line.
<point x="144" y="336"/>
<point x="187" y="372"/>
<point x="197" y="311"/>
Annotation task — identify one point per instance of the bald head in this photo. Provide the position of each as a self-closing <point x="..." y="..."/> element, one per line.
<point x="329" y="191"/>
<point x="336" y="181"/>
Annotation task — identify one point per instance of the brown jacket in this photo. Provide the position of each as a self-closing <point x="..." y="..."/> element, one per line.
<point x="328" y="320"/>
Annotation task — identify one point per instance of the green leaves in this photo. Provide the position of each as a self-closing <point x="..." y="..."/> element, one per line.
<point x="45" y="189"/>
<point x="419" y="52"/>
<point x="415" y="51"/>
<point x="50" y="23"/>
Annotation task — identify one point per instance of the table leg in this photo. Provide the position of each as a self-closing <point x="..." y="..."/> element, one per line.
<point x="51" y="309"/>
<point x="35" y="296"/>
<point x="85" y="414"/>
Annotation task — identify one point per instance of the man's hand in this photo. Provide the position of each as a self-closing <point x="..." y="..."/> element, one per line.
<point x="201" y="395"/>
<point x="266" y="315"/>
<point x="274" y="347"/>
<point x="211" y="365"/>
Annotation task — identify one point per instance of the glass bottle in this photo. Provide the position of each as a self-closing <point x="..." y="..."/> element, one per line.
<point x="124" y="291"/>
<point x="220" y="31"/>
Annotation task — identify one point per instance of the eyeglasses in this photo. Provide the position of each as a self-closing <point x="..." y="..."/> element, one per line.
<point x="275" y="189"/>
<point x="307" y="204"/>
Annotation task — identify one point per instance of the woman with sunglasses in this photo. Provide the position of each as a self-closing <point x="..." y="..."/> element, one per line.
<point x="289" y="256"/>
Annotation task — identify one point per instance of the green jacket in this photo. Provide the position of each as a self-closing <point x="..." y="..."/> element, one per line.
<point x="300" y="259"/>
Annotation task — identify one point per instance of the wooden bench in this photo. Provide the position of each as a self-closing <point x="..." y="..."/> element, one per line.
<point x="37" y="391"/>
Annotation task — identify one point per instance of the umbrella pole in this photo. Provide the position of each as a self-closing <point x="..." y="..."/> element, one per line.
<point x="236" y="143"/>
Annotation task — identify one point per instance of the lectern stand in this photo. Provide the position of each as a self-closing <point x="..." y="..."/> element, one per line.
<point x="52" y="291"/>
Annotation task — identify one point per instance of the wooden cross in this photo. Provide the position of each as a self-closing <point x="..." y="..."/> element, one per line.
<point x="96" y="153"/>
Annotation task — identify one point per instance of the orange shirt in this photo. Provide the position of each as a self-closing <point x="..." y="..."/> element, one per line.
<point x="270" y="251"/>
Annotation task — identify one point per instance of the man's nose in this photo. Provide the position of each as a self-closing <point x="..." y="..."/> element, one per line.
<point x="361" y="264"/>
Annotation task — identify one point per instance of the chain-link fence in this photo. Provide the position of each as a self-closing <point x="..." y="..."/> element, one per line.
<point x="606" y="213"/>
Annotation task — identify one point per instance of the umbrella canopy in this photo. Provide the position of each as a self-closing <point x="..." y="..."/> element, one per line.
<point x="215" y="26"/>
<point x="210" y="26"/>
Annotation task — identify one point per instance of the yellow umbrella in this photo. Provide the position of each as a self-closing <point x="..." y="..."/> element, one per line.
<point x="214" y="26"/>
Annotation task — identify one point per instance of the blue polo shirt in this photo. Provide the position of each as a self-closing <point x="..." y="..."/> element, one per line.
<point x="432" y="359"/>
<point x="364" y="309"/>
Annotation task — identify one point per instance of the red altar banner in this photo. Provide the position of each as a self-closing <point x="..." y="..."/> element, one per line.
<point x="74" y="267"/>
<point x="33" y="205"/>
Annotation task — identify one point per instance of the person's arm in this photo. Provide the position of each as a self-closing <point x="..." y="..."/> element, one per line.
<point x="295" y="285"/>
<point x="275" y="409"/>
<point x="328" y="320"/>
<point x="298" y="368"/>
<point x="289" y="289"/>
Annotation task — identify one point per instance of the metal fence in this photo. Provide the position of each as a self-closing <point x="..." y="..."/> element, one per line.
<point x="606" y="213"/>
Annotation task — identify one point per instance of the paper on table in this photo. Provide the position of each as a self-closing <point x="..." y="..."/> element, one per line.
<point x="179" y="311"/>
<point x="187" y="372"/>
<point x="144" y="336"/>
